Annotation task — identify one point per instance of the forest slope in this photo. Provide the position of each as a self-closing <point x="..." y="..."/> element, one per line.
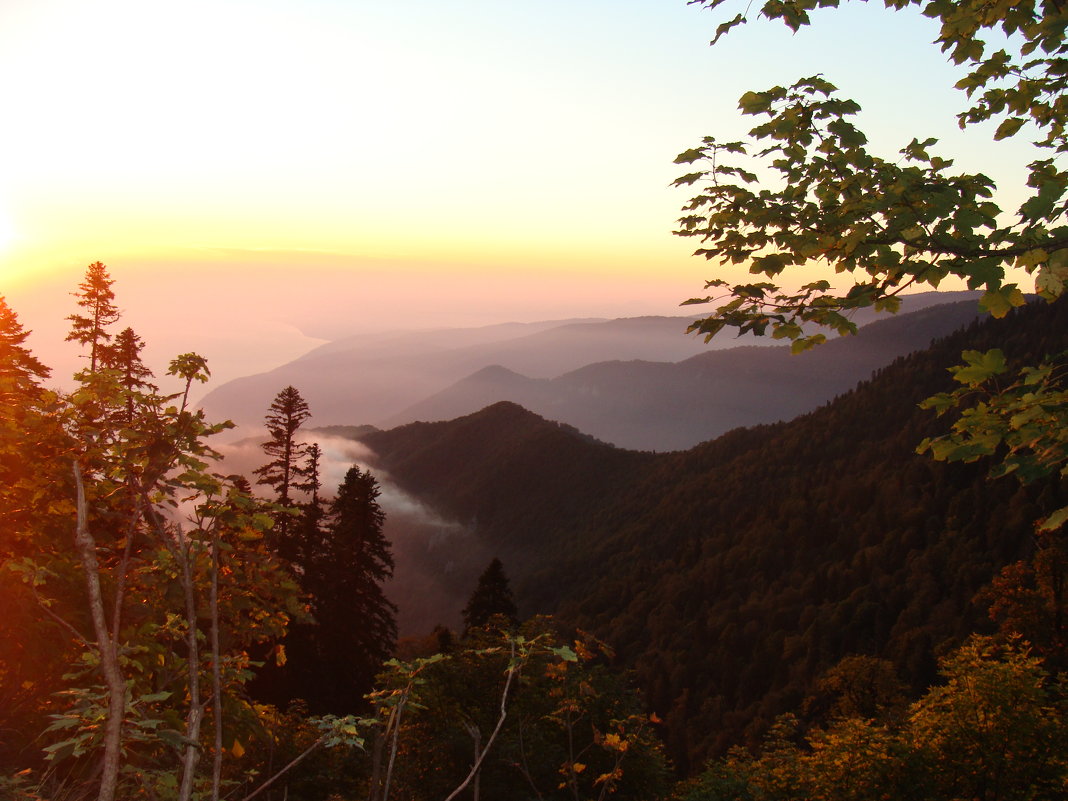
<point x="730" y="576"/>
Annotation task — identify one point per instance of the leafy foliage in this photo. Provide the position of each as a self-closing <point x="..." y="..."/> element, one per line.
<point x="887" y="226"/>
<point x="1024" y="420"/>
<point x="125" y="469"/>
<point x="994" y="729"/>
<point x="536" y="714"/>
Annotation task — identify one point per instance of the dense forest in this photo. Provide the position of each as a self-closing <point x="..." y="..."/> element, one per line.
<point x="733" y="575"/>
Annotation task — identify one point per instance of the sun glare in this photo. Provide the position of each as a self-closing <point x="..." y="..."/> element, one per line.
<point x="7" y="231"/>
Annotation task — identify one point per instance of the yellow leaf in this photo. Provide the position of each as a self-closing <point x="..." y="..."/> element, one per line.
<point x="238" y="749"/>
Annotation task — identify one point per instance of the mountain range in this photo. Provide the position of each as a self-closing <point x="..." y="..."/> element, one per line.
<point x="635" y="382"/>
<point x="647" y="405"/>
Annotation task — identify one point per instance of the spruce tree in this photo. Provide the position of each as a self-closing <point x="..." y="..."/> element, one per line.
<point x="124" y="355"/>
<point x="96" y="298"/>
<point x="19" y="369"/>
<point x="312" y="483"/>
<point x="308" y="534"/>
<point x="357" y="626"/>
<point x="286" y="469"/>
<point x="492" y="596"/>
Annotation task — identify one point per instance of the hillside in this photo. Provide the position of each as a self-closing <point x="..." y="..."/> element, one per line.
<point x="730" y="576"/>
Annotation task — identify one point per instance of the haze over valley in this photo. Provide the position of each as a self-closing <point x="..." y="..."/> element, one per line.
<point x="360" y="438"/>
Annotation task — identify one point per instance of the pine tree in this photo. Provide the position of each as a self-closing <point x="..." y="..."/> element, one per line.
<point x="308" y="538"/>
<point x="313" y="482"/>
<point x="19" y="369"/>
<point x="284" y="472"/>
<point x="125" y="356"/>
<point x="96" y="298"/>
<point x="492" y="596"/>
<point x="357" y="626"/>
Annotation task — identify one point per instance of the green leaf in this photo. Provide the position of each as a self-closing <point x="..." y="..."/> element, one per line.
<point x="999" y="302"/>
<point x="565" y="653"/>
<point x="1055" y="520"/>
<point x="754" y="102"/>
<point x="979" y="367"/>
<point x="60" y="751"/>
<point x="723" y="28"/>
<point x="1009" y="127"/>
<point x="175" y="739"/>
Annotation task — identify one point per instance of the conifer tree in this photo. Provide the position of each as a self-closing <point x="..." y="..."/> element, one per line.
<point x="357" y="625"/>
<point x="313" y="482"/>
<point x="19" y="369"/>
<point x="309" y="535"/>
<point x="492" y="596"/>
<point x="125" y="356"/>
<point x="96" y="298"/>
<point x="284" y="472"/>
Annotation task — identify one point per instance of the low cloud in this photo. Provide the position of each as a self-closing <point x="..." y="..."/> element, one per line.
<point x="437" y="560"/>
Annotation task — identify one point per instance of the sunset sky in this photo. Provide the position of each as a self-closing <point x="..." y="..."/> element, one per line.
<point x="260" y="176"/>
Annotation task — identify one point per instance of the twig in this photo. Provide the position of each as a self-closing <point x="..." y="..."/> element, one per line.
<point x="497" y="729"/>
<point x="278" y="775"/>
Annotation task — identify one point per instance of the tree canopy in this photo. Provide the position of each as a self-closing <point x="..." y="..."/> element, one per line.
<point x="886" y="225"/>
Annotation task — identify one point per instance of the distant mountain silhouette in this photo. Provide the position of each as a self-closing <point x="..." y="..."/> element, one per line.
<point x="369" y="379"/>
<point x="672" y="406"/>
<point x="732" y="575"/>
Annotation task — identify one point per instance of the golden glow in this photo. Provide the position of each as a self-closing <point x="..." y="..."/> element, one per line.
<point x="7" y="231"/>
<point x="251" y="168"/>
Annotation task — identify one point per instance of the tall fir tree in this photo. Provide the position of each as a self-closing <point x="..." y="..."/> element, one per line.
<point x="492" y="596"/>
<point x="313" y="481"/>
<point x="308" y="536"/>
<point x="356" y="624"/>
<point x="124" y="355"/>
<point x="286" y="471"/>
<point x="20" y="370"/>
<point x="97" y="300"/>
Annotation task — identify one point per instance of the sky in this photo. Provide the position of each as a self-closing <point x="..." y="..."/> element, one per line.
<point x="262" y="176"/>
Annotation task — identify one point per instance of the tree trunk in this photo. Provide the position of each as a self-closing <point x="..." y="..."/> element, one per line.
<point x="106" y="647"/>
<point x="375" y="791"/>
<point x="195" y="716"/>
<point x="216" y="670"/>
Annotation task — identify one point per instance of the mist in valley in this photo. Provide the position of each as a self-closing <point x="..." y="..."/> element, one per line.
<point x="430" y="581"/>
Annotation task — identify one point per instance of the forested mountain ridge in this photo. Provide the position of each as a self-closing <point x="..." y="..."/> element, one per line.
<point x="649" y="405"/>
<point x="508" y="471"/>
<point x="732" y="575"/>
